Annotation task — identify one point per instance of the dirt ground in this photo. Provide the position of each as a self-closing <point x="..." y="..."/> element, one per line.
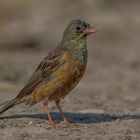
<point x="106" y="103"/>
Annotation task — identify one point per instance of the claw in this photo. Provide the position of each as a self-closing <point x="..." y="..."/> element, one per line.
<point x="50" y="122"/>
<point x="65" y="123"/>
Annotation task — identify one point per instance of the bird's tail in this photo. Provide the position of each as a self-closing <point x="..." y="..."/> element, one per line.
<point x="9" y="105"/>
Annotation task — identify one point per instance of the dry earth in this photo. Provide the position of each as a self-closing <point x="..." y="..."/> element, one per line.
<point x="106" y="103"/>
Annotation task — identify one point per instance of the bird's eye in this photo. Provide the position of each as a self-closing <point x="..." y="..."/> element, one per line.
<point x="78" y="28"/>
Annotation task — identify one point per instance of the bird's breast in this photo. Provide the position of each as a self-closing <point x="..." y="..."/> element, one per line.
<point x="82" y="55"/>
<point x="63" y="80"/>
<point x="71" y="72"/>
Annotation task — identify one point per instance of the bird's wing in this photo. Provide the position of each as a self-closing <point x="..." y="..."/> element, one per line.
<point x="50" y="64"/>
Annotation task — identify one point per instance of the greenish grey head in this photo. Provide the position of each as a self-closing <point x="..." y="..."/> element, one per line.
<point x="78" y="29"/>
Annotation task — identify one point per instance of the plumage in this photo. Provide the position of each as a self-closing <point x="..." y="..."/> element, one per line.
<point x="59" y="72"/>
<point x="50" y="64"/>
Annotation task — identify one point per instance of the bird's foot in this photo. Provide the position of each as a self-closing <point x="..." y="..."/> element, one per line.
<point x="66" y="123"/>
<point x="51" y="122"/>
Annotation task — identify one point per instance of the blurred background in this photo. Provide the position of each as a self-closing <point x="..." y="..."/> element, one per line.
<point x="29" y="29"/>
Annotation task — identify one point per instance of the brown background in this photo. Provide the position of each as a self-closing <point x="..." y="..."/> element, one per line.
<point x="107" y="99"/>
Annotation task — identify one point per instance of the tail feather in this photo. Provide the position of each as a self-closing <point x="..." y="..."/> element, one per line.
<point x="9" y="105"/>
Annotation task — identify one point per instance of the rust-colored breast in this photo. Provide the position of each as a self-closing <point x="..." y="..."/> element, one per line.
<point x="62" y="81"/>
<point x="68" y="76"/>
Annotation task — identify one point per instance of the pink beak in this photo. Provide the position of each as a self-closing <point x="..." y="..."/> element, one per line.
<point x="89" y="30"/>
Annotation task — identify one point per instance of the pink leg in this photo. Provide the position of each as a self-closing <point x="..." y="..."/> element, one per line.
<point x="65" y="121"/>
<point x="50" y="120"/>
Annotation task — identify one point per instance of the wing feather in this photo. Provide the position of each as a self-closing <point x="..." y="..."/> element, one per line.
<point x="50" y="64"/>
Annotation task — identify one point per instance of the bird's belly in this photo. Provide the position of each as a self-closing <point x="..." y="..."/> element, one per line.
<point x="67" y="80"/>
<point x="61" y="82"/>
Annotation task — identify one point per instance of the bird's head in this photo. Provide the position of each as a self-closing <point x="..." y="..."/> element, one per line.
<point x="77" y="30"/>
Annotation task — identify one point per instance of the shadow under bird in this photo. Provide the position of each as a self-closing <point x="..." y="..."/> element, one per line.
<point x="59" y="72"/>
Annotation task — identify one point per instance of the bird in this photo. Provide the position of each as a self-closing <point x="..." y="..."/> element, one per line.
<point x="59" y="72"/>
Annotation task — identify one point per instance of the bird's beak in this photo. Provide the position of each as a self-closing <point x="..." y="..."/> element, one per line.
<point x="89" y="30"/>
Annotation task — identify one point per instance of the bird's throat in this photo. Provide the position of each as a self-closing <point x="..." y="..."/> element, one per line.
<point x="74" y="44"/>
<point x="77" y="48"/>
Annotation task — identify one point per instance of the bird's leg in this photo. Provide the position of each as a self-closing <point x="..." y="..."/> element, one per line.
<point x="61" y="112"/>
<point x="65" y="121"/>
<point x="50" y="120"/>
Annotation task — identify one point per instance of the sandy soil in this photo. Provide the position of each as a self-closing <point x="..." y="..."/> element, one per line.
<point x="96" y="118"/>
<point x="105" y="105"/>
